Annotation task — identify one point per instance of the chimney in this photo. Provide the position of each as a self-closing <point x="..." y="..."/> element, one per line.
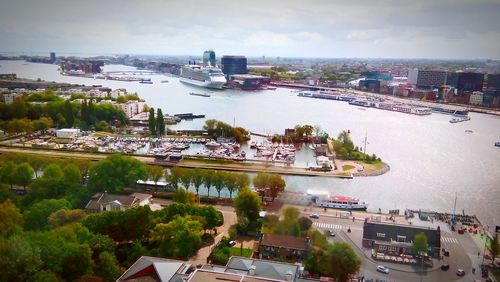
<point x="251" y="270"/>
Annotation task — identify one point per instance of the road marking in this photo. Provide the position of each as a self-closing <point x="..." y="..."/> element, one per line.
<point x="327" y="225"/>
<point x="449" y="240"/>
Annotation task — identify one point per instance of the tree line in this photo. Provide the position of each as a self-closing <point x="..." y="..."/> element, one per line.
<point x="217" y="128"/>
<point x="344" y="148"/>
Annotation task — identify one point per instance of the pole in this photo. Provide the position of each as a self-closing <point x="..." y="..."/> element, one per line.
<point x="485" y="242"/>
<point x="454" y="208"/>
<point x="366" y="137"/>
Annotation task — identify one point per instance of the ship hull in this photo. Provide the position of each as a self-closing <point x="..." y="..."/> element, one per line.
<point x="204" y="84"/>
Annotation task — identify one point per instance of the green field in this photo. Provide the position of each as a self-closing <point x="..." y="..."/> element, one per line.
<point x="236" y="251"/>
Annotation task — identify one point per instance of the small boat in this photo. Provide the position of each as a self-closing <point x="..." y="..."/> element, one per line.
<point x="459" y="119"/>
<point x="312" y="147"/>
<point x="212" y="144"/>
<point x="469" y="131"/>
<point x="497" y="144"/>
<point x="200" y="94"/>
<point x="341" y="202"/>
<point x="164" y="81"/>
<point x="146" y="82"/>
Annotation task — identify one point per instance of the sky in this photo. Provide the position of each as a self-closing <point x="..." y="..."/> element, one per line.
<point x="435" y="29"/>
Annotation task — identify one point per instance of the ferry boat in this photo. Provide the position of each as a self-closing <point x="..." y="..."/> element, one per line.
<point x="200" y="94"/>
<point x="208" y="77"/>
<point x="341" y="202"/>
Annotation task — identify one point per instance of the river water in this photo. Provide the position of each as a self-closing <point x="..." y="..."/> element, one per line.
<point x="431" y="159"/>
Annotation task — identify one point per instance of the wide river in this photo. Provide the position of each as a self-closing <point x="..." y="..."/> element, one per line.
<point x="431" y="159"/>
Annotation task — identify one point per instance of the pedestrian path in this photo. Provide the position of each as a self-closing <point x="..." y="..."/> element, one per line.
<point x="327" y="225"/>
<point x="449" y="240"/>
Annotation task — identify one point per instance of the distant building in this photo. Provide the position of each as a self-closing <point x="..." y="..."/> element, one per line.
<point x="273" y="246"/>
<point x="52" y="57"/>
<point x="209" y="58"/>
<point x="9" y="98"/>
<point x="69" y="133"/>
<point x="397" y="239"/>
<point x="493" y="81"/>
<point x="476" y="98"/>
<point x="248" y="81"/>
<point x="372" y="85"/>
<point x="465" y="81"/>
<point x="131" y="108"/>
<point x="109" y="202"/>
<point x="234" y="65"/>
<point x="426" y="78"/>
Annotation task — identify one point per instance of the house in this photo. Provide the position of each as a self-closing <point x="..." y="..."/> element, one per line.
<point x="237" y="269"/>
<point x="156" y="269"/>
<point x="282" y="247"/>
<point x="397" y="239"/>
<point x="109" y="202"/>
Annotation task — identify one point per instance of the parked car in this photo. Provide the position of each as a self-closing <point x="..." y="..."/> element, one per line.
<point x="314" y="215"/>
<point x="231" y="243"/>
<point x="460" y="272"/>
<point x="332" y="233"/>
<point x="383" y="269"/>
<point x="445" y="267"/>
<point x="446" y="253"/>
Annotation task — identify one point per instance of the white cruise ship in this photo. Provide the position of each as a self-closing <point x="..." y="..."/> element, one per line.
<point x="209" y="77"/>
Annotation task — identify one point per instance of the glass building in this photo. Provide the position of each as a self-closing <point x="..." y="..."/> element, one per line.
<point x="234" y="65"/>
<point x="209" y="58"/>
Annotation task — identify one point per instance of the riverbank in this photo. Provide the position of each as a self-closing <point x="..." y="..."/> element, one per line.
<point x="189" y="163"/>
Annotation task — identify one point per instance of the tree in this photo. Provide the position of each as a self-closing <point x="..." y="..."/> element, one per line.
<point x="271" y="182"/>
<point x="152" y="122"/>
<point x="494" y="247"/>
<point x="107" y="266"/>
<point x="420" y="244"/>
<point x="69" y="116"/>
<point x="11" y="219"/>
<point x="277" y="184"/>
<point x="208" y="180"/>
<point x="341" y="261"/>
<point x="115" y="172"/>
<point x="186" y="178"/>
<point x="71" y="175"/>
<point x="230" y="182"/>
<point x="197" y="179"/>
<point x="43" y="123"/>
<point x="179" y="238"/>
<point x="19" y="260"/>
<point x="160" y="122"/>
<point x="24" y="174"/>
<point x="184" y="197"/>
<point x="76" y="260"/>
<point x="36" y="217"/>
<point x="7" y="173"/>
<point x="219" y="177"/>
<point x="37" y="163"/>
<point x="242" y="180"/>
<point x="247" y="205"/>
<point x="53" y="172"/>
<point x="175" y="175"/>
<point x="155" y="173"/>
<point x="65" y="216"/>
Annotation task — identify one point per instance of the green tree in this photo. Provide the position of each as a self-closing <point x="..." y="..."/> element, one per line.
<point x="420" y="244"/>
<point x="341" y="261"/>
<point x="53" y="172"/>
<point x="69" y="115"/>
<point x="230" y="181"/>
<point x="247" y="205"/>
<point x="152" y="122"/>
<point x="494" y="247"/>
<point x="155" y="173"/>
<point x="242" y="180"/>
<point x="179" y="238"/>
<point x="219" y="179"/>
<point x="197" y="179"/>
<point x="19" y="260"/>
<point x="7" y="174"/>
<point x="184" y="197"/>
<point x="71" y="175"/>
<point x="186" y="178"/>
<point x="107" y="266"/>
<point x="24" y="174"/>
<point x="160" y="122"/>
<point x="43" y="124"/>
<point x="116" y="172"/>
<point x="36" y="217"/>
<point x="11" y="219"/>
<point x="76" y="260"/>
<point x="208" y="180"/>
<point x="65" y="216"/>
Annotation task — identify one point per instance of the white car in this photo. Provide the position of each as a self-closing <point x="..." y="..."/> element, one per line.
<point x="314" y="215"/>
<point x="383" y="269"/>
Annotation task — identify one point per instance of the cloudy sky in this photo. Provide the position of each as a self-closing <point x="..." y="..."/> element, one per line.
<point x="457" y="29"/>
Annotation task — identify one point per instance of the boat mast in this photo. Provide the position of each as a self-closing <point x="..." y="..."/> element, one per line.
<point x="366" y="137"/>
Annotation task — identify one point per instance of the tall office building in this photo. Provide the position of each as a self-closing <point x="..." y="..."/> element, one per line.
<point x="234" y="65"/>
<point x="465" y="81"/>
<point x="426" y="78"/>
<point x="52" y="57"/>
<point x="493" y="81"/>
<point x="209" y="58"/>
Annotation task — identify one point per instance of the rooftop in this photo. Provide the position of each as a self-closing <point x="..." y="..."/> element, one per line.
<point x="284" y="241"/>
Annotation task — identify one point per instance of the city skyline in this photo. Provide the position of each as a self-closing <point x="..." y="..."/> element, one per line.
<point x="328" y="29"/>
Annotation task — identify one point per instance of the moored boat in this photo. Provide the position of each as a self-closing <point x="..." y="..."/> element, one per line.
<point x="497" y="144"/>
<point x="341" y="202"/>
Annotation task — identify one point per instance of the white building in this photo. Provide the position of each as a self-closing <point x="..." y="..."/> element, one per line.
<point x="68" y="133"/>
<point x="131" y="108"/>
<point x="9" y="98"/>
<point x="117" y="93"/>
<point x="476" y="98"/>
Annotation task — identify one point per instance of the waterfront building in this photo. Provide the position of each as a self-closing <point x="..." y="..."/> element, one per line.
<point x="493" y="81"/>
<point x="248" y="81"/>
<point x="465" y="81"/>
<point x="397" y="239"/>
<point x="117" y="93"/>
<point x="427" y="78"/>
<point x="52" y="57"/>
<point x="131" y="108"/>
<point x="109" y="202"/>
<point x="476" y="98"/>
<point x="371" y="85"/>
<point x="9" y="98"/>
<point x="234" y="65"/>
<point x="209" y="58"/>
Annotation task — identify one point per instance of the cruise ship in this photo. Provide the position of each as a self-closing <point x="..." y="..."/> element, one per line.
<point x="208" y="77"/>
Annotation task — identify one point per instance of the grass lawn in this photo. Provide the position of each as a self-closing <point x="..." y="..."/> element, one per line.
<point x="347" y="167"/>
<point x="236" y="251"/>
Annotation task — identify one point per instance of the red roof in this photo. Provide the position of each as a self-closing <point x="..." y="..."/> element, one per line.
<point x="344" y="199"/>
